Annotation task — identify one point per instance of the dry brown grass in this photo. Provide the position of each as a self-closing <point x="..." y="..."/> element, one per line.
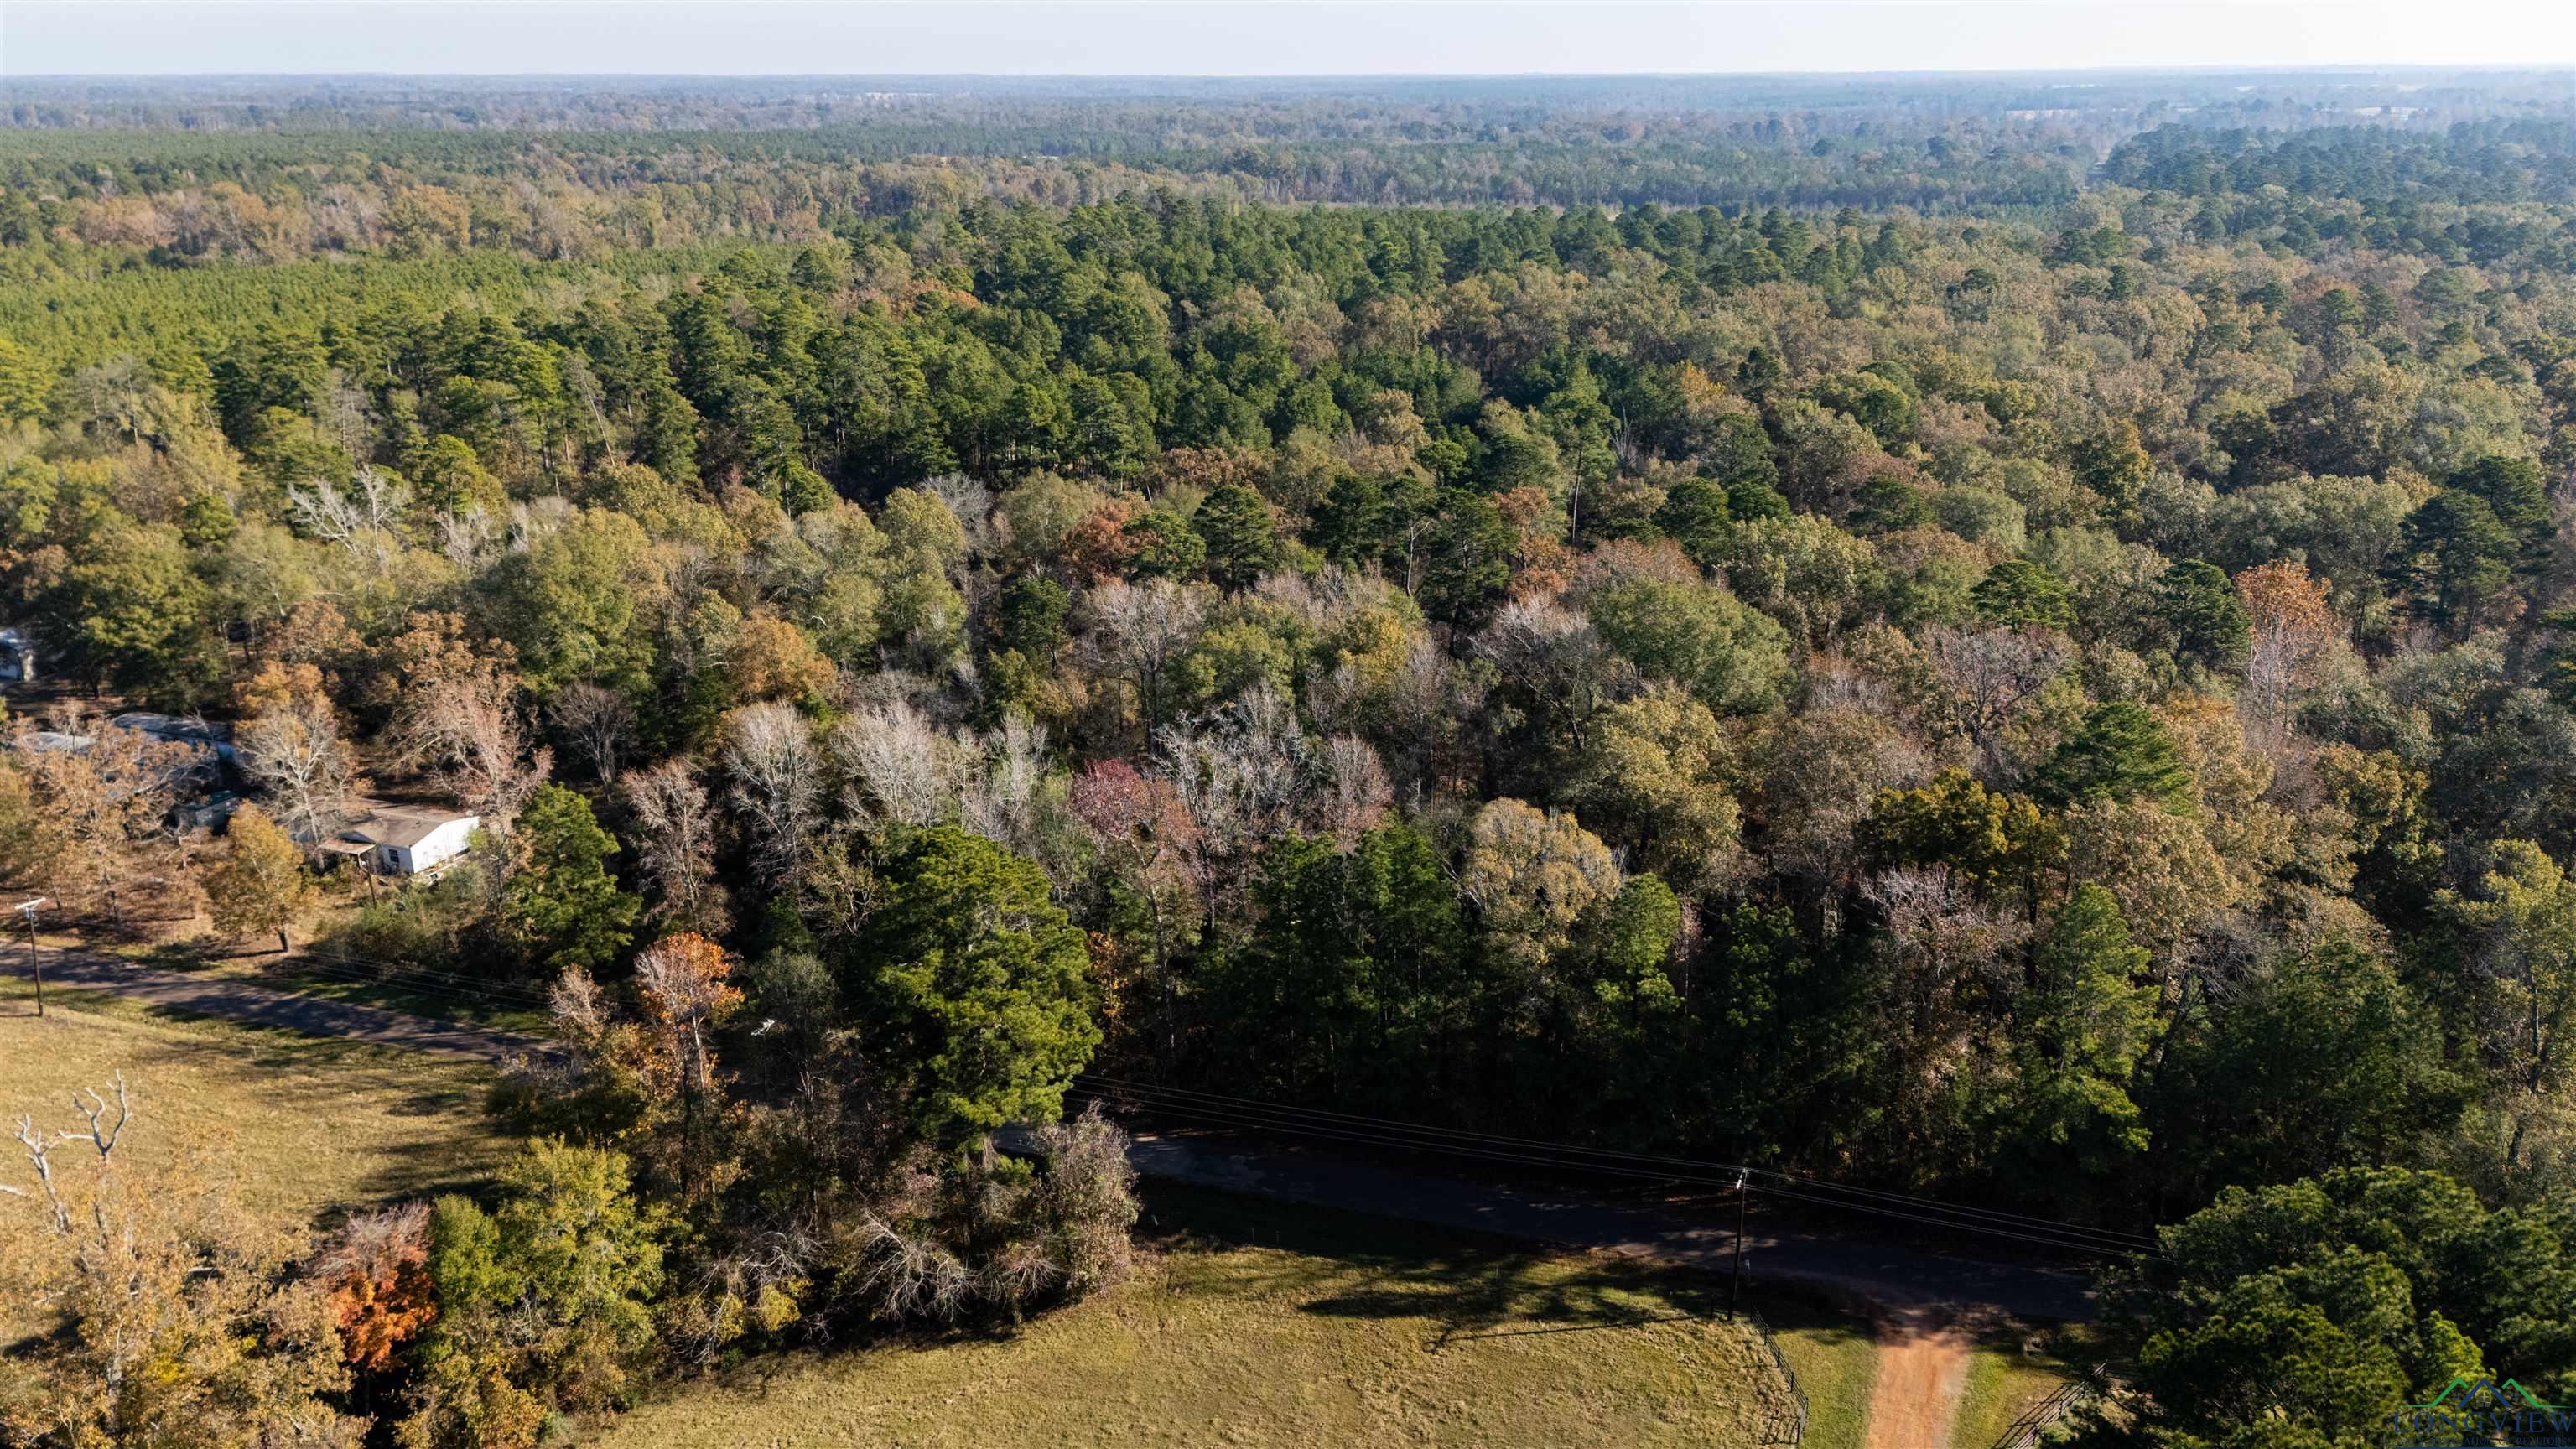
<point x="297" y="1127"/>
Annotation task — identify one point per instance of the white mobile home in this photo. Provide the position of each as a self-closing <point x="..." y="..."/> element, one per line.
<point x="406" y="842"/>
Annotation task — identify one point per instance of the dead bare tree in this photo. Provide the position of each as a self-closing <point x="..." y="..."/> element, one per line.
<point x="911" y="1277"/>
<point x="466" y="539"/>
<point x="1241" y="776"/>
<point x="1000" y="801"/>
<point x="106" y="1128"/>
<point x="1987" y="675"/>
<point x="1356" y="793"/>
<point x="1140" y="631"/>
<point x="360" y="518"/>
<point x="894" y="761"/>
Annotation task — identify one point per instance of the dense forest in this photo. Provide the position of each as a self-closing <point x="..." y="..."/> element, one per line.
<point x="1944" y="652"/>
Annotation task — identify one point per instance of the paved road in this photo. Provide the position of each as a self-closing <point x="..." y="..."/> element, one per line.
<point x="248" y="1001"/>
<point x="1891" y="1274"/>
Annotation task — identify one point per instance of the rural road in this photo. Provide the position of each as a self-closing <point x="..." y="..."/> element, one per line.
<point x="1892" y="1275"/>
<point x="1899" y="1277"/>
<point x="247" y="1001"/>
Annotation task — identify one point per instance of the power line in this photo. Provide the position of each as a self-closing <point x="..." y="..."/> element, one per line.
<point x="1685" y="1165"/>
<point x="428" y="979"/>
<point x="2075" y="1240"/>
<point x="1235" y="1117"/>
<point x="1691" y="1164"/>
<point x="2143" y="1241"/>
<point x="1387" y="1132"/>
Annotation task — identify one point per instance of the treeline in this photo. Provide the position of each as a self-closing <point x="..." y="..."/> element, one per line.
<point x="2468" y="165"/>
<point x="2488" y="193"/>
<point x="2074" y="716"/>
<point x="411" y="167"/>
<point x="1523" y="518"/>
<point x="409" y="195"/>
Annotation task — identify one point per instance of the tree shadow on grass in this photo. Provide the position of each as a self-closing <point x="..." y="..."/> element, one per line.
<point x="1351" y="1265"/>
<point x="316" y="1080"/>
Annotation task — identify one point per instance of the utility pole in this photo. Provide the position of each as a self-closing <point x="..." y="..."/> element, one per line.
<point x="1735" y="1289"/>
<point x="35" y="967"/>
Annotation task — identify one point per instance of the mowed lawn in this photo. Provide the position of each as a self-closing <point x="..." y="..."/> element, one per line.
<point x="298" y="1127"/>
<point x="1256" y="1325"/>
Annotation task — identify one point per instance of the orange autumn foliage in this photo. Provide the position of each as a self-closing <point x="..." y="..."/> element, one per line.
<point x="376" y="1281"/>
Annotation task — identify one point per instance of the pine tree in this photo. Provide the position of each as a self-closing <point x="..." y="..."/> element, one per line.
<point x="561" y="905"/>
<point x="2121" y="753"/>
<point x="982" y="984"/>
<point x="2209" y="622"/>
<point x="1242" y="543"/>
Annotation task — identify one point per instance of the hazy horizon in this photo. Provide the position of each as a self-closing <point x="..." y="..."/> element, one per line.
<point x="1265" y="39"/>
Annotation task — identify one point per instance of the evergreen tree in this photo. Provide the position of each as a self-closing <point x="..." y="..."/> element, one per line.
<point x="2085" y="1019"/>
<point x="2457" y="558"/>
<point x="2120" y="753"/>
<point x="2209" y="623"/>
<point x="1470" y="560"/>
<point x="982" y="984"/>
<point x="1165" y="546"/>
<point x="1033" y="611"/>
<point x="561" y="905"/>
<point x="2019" y="592"/>
<point x="1347" y="524"/>
<point x="1242" y="542"/>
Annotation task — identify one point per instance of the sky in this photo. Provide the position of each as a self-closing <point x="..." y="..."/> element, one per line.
<point x="1261" y="37"/>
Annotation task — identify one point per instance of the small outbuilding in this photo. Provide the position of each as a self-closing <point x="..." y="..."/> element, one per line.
<point x="407" y="842"/>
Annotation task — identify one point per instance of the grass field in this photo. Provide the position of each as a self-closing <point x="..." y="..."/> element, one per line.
<point x="317" y="970"/>
<point x="1835" y="1356"/>
<point x="1250" y="1324"/>
<point x="2010" y="1373"/>
<point x="298" y="1125"/>
<point x="1256" y="1325"/>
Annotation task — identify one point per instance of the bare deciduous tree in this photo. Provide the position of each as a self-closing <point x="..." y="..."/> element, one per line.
<point x="294" y="752"/>
<point x="599" y="722"/>
<point x="908" y="1276"/>
<point x="675" y="846"/>
<point x="466" y="539"/>
<point x="360" y="518"/>
<point x="895" y="763"/>
<point x="777" y="785"/>
<point x="1001" y="803"/>
<point x="103" y="803"/>
<point x="106" y="1129"/>
<point x="1355" y="794"/>
<point x="1241" y="777"/>
<point x="1140" y="630"/>
<point x="467" y="727"/>
<point x="1987" y="675"/>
